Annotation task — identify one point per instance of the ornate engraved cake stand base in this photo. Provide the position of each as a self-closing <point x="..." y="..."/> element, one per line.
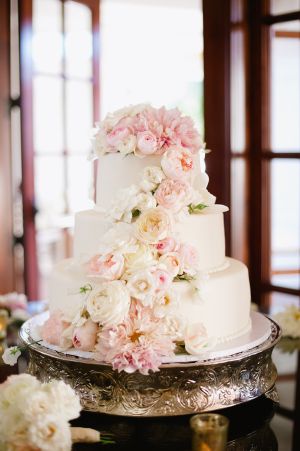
<point x="177" y="389"/>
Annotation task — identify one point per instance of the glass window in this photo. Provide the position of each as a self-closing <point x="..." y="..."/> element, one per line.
<point x="159" y="57"/>
<point x="285" y="87"/>
<point x="48" y="121"/>
<point x="285" y="222"/>
<point x="284" y="6"/>
<point x="78" y="40"/>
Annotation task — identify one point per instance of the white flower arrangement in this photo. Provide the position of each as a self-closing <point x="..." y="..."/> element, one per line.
<point x="289" y="321"/>
<point x="35" y="416"/>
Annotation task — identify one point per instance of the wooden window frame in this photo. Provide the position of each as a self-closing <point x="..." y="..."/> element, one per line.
<point x="26" y="73"/>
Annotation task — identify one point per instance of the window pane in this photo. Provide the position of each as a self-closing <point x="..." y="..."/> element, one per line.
<point x="47" y="44"/>
<point x="285" y="222"/>
<point x="159" y="57"/>
<point x="47" y="114"/>
<point x="238" y="91"/>
<point x="284" y="6"/>
<point x="239" y="238"/>
<point x="80" y="183"/>
<point x="285" y="87"/>
<point x="79" y="107"/>
<point x="279" y="301"/>
<point x="49" y="190"/>
<point x="79" y="45"/>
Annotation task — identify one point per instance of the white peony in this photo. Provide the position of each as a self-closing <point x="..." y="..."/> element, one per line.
<point x="142" y="285"/>
<point x="202" y="196"/>
<point x="153" y="225"/>
<point x="109" y="304"/>
<point x="124" y="203"/>
<point x="11" y="355"/>
<point x="152" y="176"/>
<point x="63" y="399"/>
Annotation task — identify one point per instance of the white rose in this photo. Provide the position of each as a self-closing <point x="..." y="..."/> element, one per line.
<point x="11" y="355"/>
<point x="151" y="178"/>
<point x="196" y="339"/>
<point x="16" y="388"/>
<point x="109" y="304"/>
<point x="143" y="257"/>
<point x="153" y="225"/>
<point x="145" y="201"/>
<point x="49" y="432"/>
<point x="127" y="145"/>
<point x="165" y="304"/>
<point x="171" y="262"/>
<point x="142" y="285"/>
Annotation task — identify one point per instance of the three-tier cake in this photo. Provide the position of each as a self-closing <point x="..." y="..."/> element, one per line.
<point x="149" y="278"/>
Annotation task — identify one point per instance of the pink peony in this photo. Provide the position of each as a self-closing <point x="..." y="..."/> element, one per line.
<point x="85" y="337"/>
<point x="188" y="256"/>
<point x="53" y="328"/>
<point x="146" y="143"/>
<point x="178" y="163"/>
<point x="107" y="267"/>
<point x="117" y="135"/>
<point x="173" y="194"/>
<point x="139" y="343"/>
<point x="166" y="245"/>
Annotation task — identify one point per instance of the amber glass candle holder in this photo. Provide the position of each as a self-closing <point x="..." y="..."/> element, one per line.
<point x="209" y="432"/>
<point x="3" y="323"/>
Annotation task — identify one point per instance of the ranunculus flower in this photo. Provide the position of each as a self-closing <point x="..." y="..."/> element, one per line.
<point x="171" y="261"/>
<point x="188" y="255"/>
<point x="53" y="328"/>
<point x="196" y="339"/>
<point x="173" y="194"/>
<point x="85" y="337"/>
<point x="117" y="135"/>
<point x="107" y="267"/>
<point x="109" y="304"/>
<point x="178" y="163"/>
<point x="153" y="225"/>
<point x="142" y="285"/>
<point x="146" y="144"/>
<point x="166" y="245"/>
<point x="151" y="177"/>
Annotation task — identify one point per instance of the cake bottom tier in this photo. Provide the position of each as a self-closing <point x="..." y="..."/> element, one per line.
<point x="222" y="305"/>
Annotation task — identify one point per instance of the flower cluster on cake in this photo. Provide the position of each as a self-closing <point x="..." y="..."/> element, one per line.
<point x="149" y="261"/>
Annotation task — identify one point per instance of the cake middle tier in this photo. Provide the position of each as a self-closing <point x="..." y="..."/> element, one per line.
<point x="222" y="305"/>
<point x="205" y="231"/>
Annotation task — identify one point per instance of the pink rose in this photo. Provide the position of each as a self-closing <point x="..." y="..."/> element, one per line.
<point x="171" y="261"/>
<point x="178" y="163"/>
<point x="188" y="258"/>
<point x="117" y="135"/>
<point x="166" y="245"/>
<point x="146" y="143"/>
<point x="85" y="337"/>
<point x="173" y="194"/>
<point x="163" y="279"/>
<point x="107" y="267"/>
<point x="53" y="328"/>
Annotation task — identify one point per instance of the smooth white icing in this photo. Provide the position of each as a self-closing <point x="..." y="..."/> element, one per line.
<point x="223" y="304"/>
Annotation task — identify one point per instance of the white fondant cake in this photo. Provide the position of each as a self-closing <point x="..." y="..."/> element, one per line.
<point x="149" y="273"/>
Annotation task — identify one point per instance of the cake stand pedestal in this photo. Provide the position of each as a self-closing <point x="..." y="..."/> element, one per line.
<point x="177" y="389"/>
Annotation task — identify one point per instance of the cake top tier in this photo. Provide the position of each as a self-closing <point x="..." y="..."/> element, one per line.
<point x="144" y="130"/>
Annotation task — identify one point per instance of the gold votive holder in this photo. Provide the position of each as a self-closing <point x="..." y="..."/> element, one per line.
<point x="3" y="323"/>
<point x="209" y="432"/>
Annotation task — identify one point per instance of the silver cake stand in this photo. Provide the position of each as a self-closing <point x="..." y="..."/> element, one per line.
<point x="177" y="389"/>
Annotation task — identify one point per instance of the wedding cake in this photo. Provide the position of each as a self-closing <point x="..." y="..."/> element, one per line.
<point x="149" y="278"/>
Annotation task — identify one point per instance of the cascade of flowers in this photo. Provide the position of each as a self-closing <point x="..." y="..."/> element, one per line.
<point x="128" y="315"/>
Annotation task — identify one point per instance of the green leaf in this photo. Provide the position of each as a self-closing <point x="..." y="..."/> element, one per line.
<point x="136" y="213"/>
<point x="184" y="276"/>
<point x="85" y="288"/>
<point x="194" y="209"/>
